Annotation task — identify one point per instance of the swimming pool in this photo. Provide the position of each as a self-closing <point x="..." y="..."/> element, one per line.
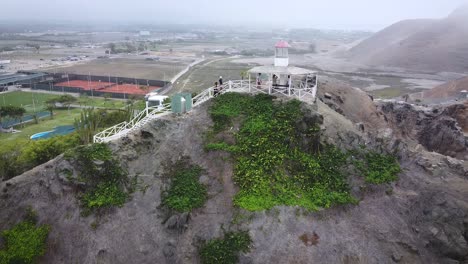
<point x="60" y="130"/>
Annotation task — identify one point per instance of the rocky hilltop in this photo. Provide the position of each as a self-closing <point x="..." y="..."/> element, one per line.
<point x="422" y="217"/>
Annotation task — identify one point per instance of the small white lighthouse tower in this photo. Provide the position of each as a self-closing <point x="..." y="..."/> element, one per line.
<point x="281" y="54"/>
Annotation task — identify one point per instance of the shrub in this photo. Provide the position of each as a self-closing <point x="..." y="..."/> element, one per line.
<point x="41" y="151"/>
<point x="105" y="195"/>
<point x="10" y="164"/>
<point x="225" y="250"/>
<point x="107" y="183"/>
<point x="185" y="192"/>
<point x="24" y="243"/>
<point x="379" y="168"/>
<point x="20" y="156"/>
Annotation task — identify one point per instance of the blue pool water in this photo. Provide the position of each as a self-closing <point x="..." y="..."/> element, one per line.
<point x="60" y="130"/>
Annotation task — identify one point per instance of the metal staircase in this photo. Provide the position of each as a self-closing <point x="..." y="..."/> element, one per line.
<point x="141" y="119"/>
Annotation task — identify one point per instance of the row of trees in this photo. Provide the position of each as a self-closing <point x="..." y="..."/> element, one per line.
<point x="126" y="48"/>
<point x="65" y="100"/>
<point x="15" y="112"/>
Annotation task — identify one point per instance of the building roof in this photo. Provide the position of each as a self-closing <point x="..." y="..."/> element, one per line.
<point x="290" y="70"/>
<point x="13" y="78"/>
<point x="157" y="98"/>
<point x="282" y="44"/>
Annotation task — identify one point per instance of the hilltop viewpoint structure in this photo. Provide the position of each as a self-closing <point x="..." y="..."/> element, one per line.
<point x="280" y="78"/>
<point x="277" y="79"/>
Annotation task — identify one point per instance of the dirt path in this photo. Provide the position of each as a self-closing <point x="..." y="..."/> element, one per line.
<point x="192" y="71"/>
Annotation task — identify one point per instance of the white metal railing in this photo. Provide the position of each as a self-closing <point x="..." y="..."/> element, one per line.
<point x="244" y="86"/>
<point x="140" y="119"/>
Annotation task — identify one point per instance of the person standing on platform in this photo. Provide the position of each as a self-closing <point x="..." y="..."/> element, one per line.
<point x="216" y="89"/>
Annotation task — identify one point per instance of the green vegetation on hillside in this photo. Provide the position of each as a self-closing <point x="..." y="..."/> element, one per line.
<point x="273" y="167"/>
<point x="225" y="250"/>
<point x="185" y="192"/>
<point x="106" y="182"/>
<point x="24" y="243"/>
<point x="19" y="156"/>
<point x="378" y="168"/>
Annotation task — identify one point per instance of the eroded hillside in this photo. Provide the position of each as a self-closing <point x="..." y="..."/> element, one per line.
<point x="272" y="216"/>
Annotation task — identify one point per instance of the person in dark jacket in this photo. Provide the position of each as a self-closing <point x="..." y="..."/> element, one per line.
<point x="220" y="80"/>
<point x="215" y="89"/>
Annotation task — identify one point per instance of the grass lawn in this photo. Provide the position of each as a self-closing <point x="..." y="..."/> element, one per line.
<point x="25" y="99"/>
<point x="101" y="102"/>
<point x="61" y="118"/>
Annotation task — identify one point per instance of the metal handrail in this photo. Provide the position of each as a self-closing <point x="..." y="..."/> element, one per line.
<point x="149" y="113"/>
<point x="153" y="112"/>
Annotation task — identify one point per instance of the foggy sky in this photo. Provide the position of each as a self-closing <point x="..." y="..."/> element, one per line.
<point x="334" y="14"/>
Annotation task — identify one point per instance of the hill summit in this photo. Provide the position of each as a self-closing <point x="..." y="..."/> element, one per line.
<point x="433" y="45"/>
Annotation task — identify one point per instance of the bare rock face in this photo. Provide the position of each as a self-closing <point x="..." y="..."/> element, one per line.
<point x="178" y="221"/>
<point x="352" y="103"/>
<point x="437" y="129"/>
<point x="443" y="225"/>
<point x="460" y="113"/>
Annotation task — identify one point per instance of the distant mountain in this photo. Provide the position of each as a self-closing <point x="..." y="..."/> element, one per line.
<point x="450" y="89"/>
<point x="425" y="44"/>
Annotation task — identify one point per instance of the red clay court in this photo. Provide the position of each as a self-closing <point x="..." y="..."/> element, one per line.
<point x="85" y="85"/>
<point x="108" y="87"/>
<point x="129" y="89"/>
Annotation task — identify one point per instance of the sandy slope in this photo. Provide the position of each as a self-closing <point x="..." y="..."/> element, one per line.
<point x="425" y="45"/>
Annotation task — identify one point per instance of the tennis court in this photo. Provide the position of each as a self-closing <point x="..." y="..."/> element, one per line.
<point x="108" y="87"/>
<point x="86" y="85"/>
<point x="130" y="89"/>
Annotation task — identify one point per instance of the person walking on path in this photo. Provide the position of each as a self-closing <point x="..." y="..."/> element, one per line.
<point x="220" y="80"/>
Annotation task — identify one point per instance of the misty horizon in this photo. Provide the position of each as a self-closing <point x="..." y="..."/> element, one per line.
<point x="358" y="15"/>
